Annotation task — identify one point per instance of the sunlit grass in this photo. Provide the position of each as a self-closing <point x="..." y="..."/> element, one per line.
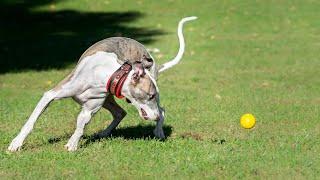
<point x="259" y="56"/>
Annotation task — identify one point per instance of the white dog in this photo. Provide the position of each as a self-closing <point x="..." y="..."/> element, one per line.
<point x="116" y="66"/>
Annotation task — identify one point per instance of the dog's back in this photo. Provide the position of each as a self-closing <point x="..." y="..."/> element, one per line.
<point x="126" y="49"/>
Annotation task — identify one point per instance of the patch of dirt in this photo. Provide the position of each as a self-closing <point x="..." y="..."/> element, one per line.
<point x="192" y="135"/>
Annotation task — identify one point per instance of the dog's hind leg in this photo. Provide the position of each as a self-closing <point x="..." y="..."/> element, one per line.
<point x="89" y="108"/>
<point x="117" y="113"/>
<point x="41" y="106"/>
<point x="27" y="128"/>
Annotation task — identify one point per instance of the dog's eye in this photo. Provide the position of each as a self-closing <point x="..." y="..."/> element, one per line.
<point x="149" y="59"/>
<point x="152" y="96"/>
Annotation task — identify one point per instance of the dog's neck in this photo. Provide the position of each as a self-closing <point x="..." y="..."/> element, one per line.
<point x="117" y="79"/>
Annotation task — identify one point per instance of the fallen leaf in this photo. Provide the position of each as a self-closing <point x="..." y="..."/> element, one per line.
<point x="217" y="96"/>
<point x="49" y="83"/>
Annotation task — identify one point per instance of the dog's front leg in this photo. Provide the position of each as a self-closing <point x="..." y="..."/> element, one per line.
<point x="117" y="113"/>
<point x="88" y="109"/>
<point x="158" y="131"/>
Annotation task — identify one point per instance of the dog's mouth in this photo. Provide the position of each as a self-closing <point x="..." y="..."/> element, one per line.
<point x="144" y="114"/>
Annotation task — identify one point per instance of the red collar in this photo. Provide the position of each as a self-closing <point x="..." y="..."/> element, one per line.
<point x="117" y="79"/>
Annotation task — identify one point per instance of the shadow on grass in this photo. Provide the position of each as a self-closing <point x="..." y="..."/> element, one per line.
<point x="129" y="133"/>
<point x="37" y="40"/>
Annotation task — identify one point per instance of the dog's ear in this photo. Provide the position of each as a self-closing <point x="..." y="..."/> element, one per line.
<point x="138" y="72"/>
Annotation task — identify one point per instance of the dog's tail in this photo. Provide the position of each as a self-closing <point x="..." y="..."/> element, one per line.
<point x="178" y="57"/>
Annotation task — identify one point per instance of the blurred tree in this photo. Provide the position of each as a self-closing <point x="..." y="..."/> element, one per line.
<point x="53" y="39"/>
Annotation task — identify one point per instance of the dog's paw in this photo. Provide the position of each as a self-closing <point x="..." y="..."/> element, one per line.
<point x="71" y="146"/>
<point x="159" y="133"/>
<point x="102" y="134"/>
<point x="15" y="145"/>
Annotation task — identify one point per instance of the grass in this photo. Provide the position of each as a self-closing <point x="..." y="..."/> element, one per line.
<point x="242" y="56"/>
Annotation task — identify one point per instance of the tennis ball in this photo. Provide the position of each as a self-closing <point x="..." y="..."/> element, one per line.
<point x="247" y="121"/>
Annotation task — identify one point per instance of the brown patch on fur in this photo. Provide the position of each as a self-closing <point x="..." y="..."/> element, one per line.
<point x="126" y="49"/>
<point x="146" y="84"/>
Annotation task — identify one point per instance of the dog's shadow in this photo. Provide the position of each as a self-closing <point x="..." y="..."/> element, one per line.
<point x="129" y="133"/>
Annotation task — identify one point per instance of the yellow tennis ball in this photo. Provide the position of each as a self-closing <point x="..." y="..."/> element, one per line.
<point x="247" y="121"/>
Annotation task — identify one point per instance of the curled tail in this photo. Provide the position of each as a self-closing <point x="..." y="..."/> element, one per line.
<point x="178" y="57"/>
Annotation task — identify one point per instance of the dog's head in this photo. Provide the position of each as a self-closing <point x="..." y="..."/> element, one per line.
<point x="141" y="90"/>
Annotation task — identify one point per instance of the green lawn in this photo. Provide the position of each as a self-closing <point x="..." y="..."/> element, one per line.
<point x="256" y="56"/>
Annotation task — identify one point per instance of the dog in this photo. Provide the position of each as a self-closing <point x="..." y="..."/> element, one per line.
<point x="115" y="66"/>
